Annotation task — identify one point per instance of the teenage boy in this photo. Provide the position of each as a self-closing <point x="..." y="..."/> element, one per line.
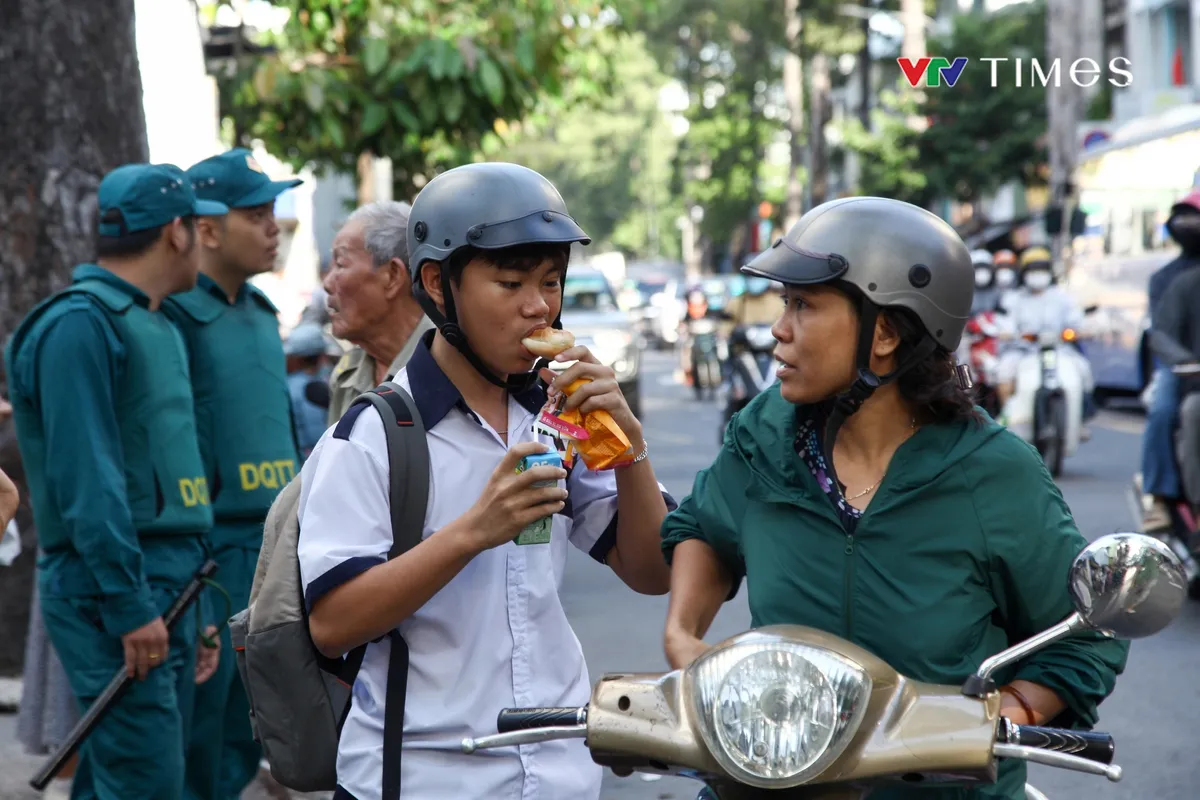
<point x="481" y="615"/>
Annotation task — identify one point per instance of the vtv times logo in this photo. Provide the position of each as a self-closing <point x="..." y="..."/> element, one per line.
<point x="935" y="71"/>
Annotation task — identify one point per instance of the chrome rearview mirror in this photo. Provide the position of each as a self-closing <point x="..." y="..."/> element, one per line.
<point x="1125" y="585"/>
<point x="1128" y="585"/>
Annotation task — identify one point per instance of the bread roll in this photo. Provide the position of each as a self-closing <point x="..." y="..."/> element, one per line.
<point x="548" y="342"/>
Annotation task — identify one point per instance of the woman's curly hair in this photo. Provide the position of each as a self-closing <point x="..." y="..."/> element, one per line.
<point x="931" y="385"/>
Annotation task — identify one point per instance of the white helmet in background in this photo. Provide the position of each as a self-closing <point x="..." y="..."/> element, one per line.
<point x="985" y="273"/>
<point x="981" y="257"/>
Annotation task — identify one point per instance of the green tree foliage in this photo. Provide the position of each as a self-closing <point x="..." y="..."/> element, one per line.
<point x="724" y="52"/>
<point x="609" y="154"/>
<point x="887" y="155"/>
<point x="982" y="136"/>
<point x="729" y="56"/>
<point x="422" y="81"/>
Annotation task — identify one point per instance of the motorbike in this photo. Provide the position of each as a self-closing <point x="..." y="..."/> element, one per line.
<point x="750" y="367"/>
<point x="787" y="711"/>
<point x="705" y="362"/>
<point x="1047" y="407"/>
<point x="979" y="351"/>
<point x="1183" y="537"/>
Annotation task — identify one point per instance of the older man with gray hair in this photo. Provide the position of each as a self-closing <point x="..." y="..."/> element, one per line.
<point x="370" y="300"/>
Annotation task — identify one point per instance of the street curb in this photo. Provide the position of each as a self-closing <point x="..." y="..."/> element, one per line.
<point x="10" y="695"/>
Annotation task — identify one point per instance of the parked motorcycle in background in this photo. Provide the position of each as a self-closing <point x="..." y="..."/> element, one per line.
<point x="790" y="707"/>
<point x="1183" y="535"/>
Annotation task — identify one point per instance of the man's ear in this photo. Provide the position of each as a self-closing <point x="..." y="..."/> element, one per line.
<point x="431" y="280"/>
<point x="208" y="232"/>
<point x="177" y="236"/>
<point x="397" y="281"/>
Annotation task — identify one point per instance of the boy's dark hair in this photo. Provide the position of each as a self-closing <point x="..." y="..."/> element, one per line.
<point x="128" y="245"/>
<point x="520" y="257"/>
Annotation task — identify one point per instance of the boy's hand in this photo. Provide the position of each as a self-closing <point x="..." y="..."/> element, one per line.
<point x="510" y="501"/>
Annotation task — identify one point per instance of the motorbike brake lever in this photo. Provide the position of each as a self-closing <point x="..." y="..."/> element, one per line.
<point x="530" y="736"/>
<point x="1053" y="758"/>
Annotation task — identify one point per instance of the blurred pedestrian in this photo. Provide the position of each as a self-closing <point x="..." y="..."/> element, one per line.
<point x="371" y="302"/>
<point x="309" y="364"/>
<point x="47" y="710"/>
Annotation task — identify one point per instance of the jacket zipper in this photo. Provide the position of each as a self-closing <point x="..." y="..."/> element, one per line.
<point x="849" y="598"/>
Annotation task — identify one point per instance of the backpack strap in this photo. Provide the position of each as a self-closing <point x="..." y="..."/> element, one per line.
<point x="408" y="470"/>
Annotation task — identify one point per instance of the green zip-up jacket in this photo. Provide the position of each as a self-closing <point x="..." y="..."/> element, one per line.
<point x="964" y="550"/>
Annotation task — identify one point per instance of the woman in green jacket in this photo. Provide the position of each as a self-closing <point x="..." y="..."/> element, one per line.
<point x="867" y="496"/>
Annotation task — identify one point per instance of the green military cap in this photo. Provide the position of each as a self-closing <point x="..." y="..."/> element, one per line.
<point x="236" y="179"/>
<point x="147" y="196"/>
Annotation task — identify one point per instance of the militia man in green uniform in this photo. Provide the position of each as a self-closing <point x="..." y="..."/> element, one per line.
<point x="102" y="401"/>
<point x="243" y="414"/>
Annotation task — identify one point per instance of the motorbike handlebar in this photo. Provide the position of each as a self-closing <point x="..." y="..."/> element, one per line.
<point x="1092" y="745"/>
<point x="523" y="719"/>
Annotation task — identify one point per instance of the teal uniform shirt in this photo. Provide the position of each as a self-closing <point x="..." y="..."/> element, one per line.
<point x="243" y="411"/>
<point x="101" y="400"/>
<point x="102" y="403"/>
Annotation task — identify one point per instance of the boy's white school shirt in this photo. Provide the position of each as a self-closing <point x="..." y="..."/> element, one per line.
<point x="494" y="637"/>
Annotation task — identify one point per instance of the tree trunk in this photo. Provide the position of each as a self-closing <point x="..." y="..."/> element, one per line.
<point x="366" y="179"/>
<point x="72" y="102"/>
<point x="793" y="90"/>
<point x="819" y="102"/>
<point x="864" y="67"/>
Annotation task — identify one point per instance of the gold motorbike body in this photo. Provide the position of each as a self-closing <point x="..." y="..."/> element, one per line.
<point x="911" y="732"/>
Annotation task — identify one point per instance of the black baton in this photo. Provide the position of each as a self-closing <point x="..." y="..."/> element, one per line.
<point x="120" y="682"/>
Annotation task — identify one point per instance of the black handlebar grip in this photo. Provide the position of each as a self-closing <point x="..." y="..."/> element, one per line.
<point x="1093" y="746"/>
<point x="523" y="719"/>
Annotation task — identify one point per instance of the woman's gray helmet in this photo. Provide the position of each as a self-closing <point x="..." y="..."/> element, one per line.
<point x="896" y="255"/>
<point x="489" y="206"/>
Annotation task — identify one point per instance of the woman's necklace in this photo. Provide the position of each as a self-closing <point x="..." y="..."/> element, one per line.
<point x="912" y="428"/>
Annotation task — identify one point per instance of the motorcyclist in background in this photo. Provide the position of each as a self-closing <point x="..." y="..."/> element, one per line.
<point x="1160" y="472"/>
<point x="987" y="294"/>
<point x="756" y="305"/>
<point x="1038" y="306"/>
<point x="698" y="316"/>
<point x="1005" y="264"/>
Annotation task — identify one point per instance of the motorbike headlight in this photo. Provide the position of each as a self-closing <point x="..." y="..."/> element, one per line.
<point x="775" y="714"/>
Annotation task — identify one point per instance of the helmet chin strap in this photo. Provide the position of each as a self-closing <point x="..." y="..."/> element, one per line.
<point x="866" y="381"/>
<point x="447" y="325"/>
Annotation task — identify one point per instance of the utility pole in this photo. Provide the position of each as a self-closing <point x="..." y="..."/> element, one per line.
<point x="912" y="16"/>
<point x="793" y="91"/>
<point x="1064" y="109"/>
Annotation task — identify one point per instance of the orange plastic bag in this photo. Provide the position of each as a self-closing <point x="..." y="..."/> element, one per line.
<point x="607" y="446"/>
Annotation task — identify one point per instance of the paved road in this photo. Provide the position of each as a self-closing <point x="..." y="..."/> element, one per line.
<point x="1151" y="713"/>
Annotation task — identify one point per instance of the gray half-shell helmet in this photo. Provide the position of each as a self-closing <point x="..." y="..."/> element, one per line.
<point x="895" y="253"/>
<point x="490" y="206"/>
